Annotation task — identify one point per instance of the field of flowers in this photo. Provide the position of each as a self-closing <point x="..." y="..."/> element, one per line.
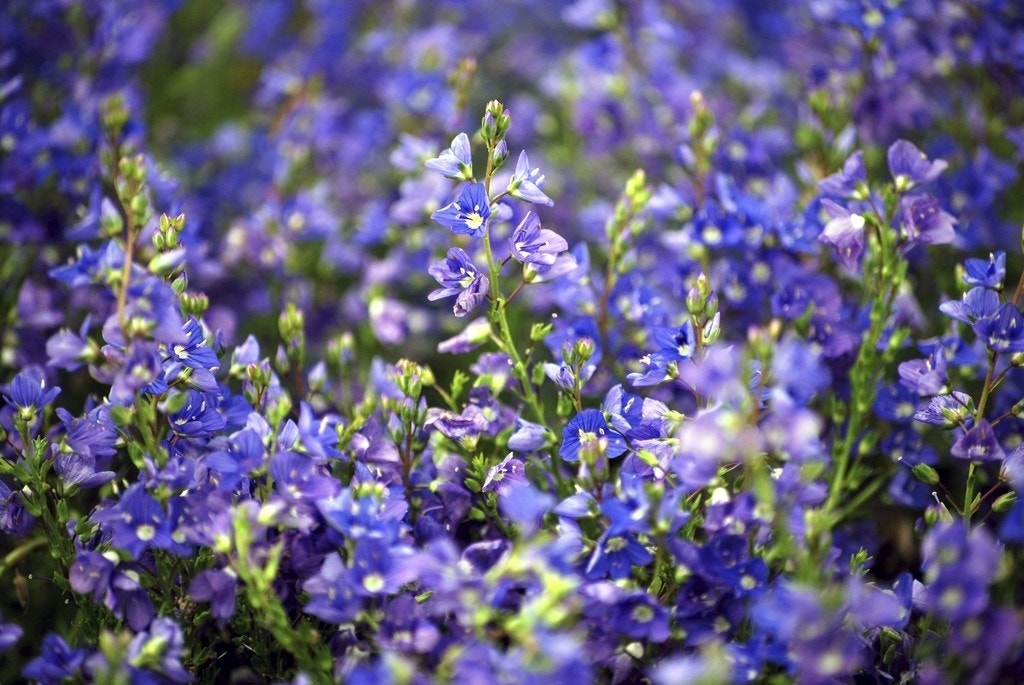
<point x="535" y="341"/>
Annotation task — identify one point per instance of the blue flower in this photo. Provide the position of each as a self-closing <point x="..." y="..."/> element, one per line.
<point x="526" y="183"/>
<point x="851" y="182"/>
<point x="198" y="416"/>
<point x="455" y="162"/>
<point x="1002" y="331"/>
<point x="987" y="273"/>
<point x="532" y="244"/>
<point x="138" y="522"/>
<point x="468" y="214"/>
<point x="217" y="587"/>
<point x="844" y="232"/>
<point x="457" y="275"/>
<point x="615" y="555"/>
<point x="976" y="303"/>
<point x="910" y="167"/>
<point x="56" y="662"/>
<point x="505" y="476"/>
<point x="978" y="444"/>
<point x="332" y="592"/>
<point x="28" y="393"/>
<point x="588" y="431"/>
<point x="946" y="411"/>
<point x="9" y="634"/>
<point x="925" y="222"/>
<point x="160" y="648"/>
<point x="926" y="376"/>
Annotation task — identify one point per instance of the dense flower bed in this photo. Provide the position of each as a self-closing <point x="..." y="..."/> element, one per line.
<point x="528" y="341"/>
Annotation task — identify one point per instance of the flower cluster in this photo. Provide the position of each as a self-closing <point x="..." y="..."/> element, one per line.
<point x="693" y="358"/>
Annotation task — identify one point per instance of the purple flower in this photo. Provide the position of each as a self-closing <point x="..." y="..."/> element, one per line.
<point x="332" y="592"/>
<point x="528" y="437"/>
<point x="675" y="344"/>
<point x="851" y="182"/>
<point x="198" y="416"/>
<point x="844" y="232"/>
<point x="194" y="353"/>
<point x="80" y="469"/>
<point x="946" y="411"/>
<point x="986" y="273"/>
<point x="925" y="222"/>
<point x="136" y="523"/>
<point x="476" y="333"/>
<point x="14" y="518"/>
<point x="455" y="162"/>
<point x="958" y="566"/>
<point x="56" y="661"/>
<point x="615" y="555"/>
<point x="458" y="276"/>
<point x="526" y="183"/>
<point x="217" y="587"/>
<point x="641" y="617"/>
<point x="979" y="444"/>
<point x="1002" y="331"/>
<point x="524" y="505"/>
<point x="505" y="475"/>
<point x="116" y="585"/>
<point x="926" y="376"/>
<point x="9" y="634"/>
<point x="468" y="214"/>
<point x="910" y="167"/>
<point x="975" y="304"/>
<point x="28" y="393"/>
<point x="589" y="432"/>
<point x="153" y="307"/>
<point x="68" y="350"/>
<point x="532" y="244"/>
<point x="160" y="648"/>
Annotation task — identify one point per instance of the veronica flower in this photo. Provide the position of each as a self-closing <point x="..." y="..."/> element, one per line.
<point x="528" y="436"/>
<point x="987" y="273"/>
<point x="332" y="592"/>
<point x="978" y="444"/>
<point x="68" y="350"/>
<point x="1003" y="330"/>
<point x="976" y="303"/>
<point x="198" y="416"/>
<point x="28" y="393"/>
<point x="851" y="182"/>
<point x="195" y="354"/>
<point x="455" y="162"/>
<point x="14" y="517"/>
<point x="526" y="183"/>
<point x="217" y="587"/>
<point x="946" y="411"/>
<point x="161" y="648"/>
<point x="615" y="555"/>
<point x="588" y="431"/>
<point x="926" y="376"/>
<point x="844" y="232"/>
<point x="138" y="522"/>
<point x="80" y="469"/>
<point x="56" y="662"/>
<point x="924" y="221"/>
<point x="503" y="477"/>
<point x="468" y="214"/>
<point x="532" y="244"/>
<point x="910" y="167"/>
<point x="9" y="634"/>
<point x="458" y="276"/>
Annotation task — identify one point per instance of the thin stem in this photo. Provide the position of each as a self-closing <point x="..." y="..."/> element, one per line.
<point x="126" y="272"/>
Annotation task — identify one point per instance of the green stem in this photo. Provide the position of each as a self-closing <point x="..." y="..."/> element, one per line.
<point x="499" y="320"/>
